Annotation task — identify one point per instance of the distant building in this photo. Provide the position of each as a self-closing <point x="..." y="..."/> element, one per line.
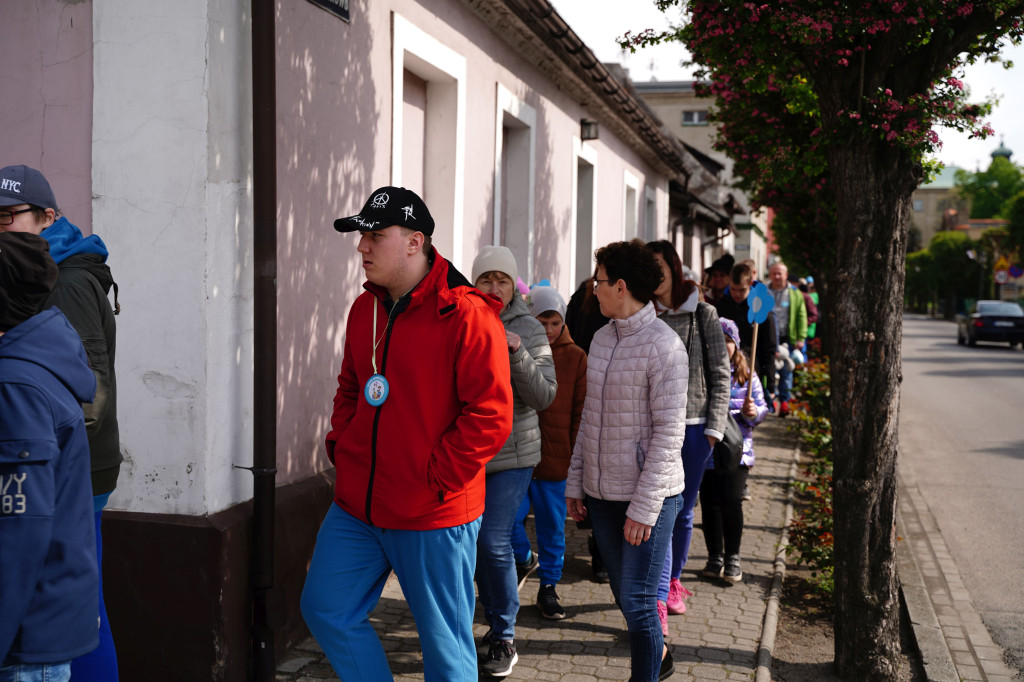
<point x="936" y="205"/>
<point x="685" y="115"/>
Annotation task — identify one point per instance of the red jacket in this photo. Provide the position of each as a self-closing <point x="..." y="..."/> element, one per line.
<point x="416" y="462"/>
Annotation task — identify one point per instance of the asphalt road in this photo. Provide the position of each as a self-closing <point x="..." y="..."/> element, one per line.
<point x="962" y="442"/>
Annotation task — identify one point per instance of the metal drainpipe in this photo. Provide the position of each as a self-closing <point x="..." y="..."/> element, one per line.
<point x="268" y="609"/>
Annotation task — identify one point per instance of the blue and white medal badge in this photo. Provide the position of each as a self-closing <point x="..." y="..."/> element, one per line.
<point x="377" y="388"/>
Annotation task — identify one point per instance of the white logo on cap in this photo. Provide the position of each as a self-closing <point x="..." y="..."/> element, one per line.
<point x="408" y="212"/>
<point x="10" y="185"/>
<point x="381" y="200"/>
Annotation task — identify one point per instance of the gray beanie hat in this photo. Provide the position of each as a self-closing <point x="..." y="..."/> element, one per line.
<point x="546" y="299"/>
<point x="495" y="259"/>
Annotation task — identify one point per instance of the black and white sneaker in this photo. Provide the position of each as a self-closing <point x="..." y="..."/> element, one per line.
<point x="523" y="570"/>
<point x="547" y="602"/>
<point x="500" y="659"/>
<point x="714" y="567"/>
<point x="732" y="572"/>
<point x="745" y="495"/>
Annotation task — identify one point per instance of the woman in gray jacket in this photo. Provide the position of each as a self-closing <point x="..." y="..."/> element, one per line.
<point x="678" y="302"/>
<point x="626" y="460"/>
<point x="508" y="474"/>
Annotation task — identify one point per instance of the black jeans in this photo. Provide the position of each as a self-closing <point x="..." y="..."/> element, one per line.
<point x="721" y="508"/>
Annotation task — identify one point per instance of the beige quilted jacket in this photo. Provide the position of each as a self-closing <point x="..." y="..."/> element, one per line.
<point x="631" y="436"/>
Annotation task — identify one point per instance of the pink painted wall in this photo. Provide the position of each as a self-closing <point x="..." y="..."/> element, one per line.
<point x="334" y="148"/>
<point x="46" y="115"/>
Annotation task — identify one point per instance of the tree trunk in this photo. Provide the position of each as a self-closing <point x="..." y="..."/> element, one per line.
<point x="873" y="187"/>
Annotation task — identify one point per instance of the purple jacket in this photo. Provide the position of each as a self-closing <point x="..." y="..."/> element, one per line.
<point x="738" y="392"/>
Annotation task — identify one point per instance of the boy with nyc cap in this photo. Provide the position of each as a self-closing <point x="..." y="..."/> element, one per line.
<point x="424" y="400"/>
<point x="48" y="574"/>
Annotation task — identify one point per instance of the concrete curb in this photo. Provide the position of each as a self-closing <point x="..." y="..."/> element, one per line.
<point x="936" y="658"/>
<point x="931" y="644"/>
<point x="771" y="611"/>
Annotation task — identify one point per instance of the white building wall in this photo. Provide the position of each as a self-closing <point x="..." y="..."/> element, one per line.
<point x="171" y="187"/>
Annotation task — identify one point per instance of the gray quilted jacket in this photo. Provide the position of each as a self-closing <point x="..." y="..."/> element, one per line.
<point x="707" y="397"/>
<point x="634" y="417"/>
<point x="533" y="388"/>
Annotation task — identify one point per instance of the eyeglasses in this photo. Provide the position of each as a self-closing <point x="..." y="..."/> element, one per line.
<point x="597" y="281"/>
<point x="7" y="217"/>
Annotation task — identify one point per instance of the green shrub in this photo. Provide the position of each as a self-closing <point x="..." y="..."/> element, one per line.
<point x="810" y="532"/>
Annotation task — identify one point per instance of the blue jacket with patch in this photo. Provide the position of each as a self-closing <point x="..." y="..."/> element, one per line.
<point x="49" y="609"/>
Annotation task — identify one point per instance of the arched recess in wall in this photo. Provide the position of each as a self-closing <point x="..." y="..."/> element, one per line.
<point x="428" y="129"/>
<point x="514" y="168"/>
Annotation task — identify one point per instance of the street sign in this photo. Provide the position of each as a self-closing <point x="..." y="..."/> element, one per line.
<point x="1002" y="276"/>
<point x="1001" y="264"/>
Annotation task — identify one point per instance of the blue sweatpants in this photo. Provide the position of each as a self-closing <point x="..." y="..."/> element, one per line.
<point x="346" y="577"/>
<point x="100" y="664"/>
<point x="549" y="512"/>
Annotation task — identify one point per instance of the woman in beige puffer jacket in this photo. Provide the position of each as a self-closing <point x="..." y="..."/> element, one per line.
<point x="626" y="461"/>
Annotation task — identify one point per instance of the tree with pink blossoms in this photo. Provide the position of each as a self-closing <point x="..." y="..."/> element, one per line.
<point x="828" y="110"/>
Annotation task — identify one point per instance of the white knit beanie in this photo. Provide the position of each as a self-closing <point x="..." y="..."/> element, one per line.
<point x="495" y="259"/>
<point x="546" y="299"/>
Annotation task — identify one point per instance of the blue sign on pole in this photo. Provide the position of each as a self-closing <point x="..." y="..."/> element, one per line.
<point x="760" y="303"/>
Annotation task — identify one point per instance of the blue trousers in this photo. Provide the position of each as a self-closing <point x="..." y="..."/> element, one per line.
<point x="100" y="664"/>
<point x="634" y="573"/>
<point x="549" y="513"/>
<point x="696" y="453"/>
<point x="350" y="565"/>
<point x="495" y="563"/>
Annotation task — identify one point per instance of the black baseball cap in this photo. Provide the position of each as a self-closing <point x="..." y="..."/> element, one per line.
<point x="389" y="206"/>
<point x="24" y="185"/>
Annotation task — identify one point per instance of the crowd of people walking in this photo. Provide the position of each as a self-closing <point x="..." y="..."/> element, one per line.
<point x="462" y="406"/>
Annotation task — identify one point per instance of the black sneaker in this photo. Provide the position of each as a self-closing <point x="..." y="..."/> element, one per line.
<point x="668" y="667"/>
<point x="523" y="570"/>
<point x="732" y="571"/>
<point x="547" y="602"/>
<point x="714" y="567"/>
<point x="500" y="658"/>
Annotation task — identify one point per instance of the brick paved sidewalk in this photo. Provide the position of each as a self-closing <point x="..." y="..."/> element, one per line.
<point x="717" y="639"/>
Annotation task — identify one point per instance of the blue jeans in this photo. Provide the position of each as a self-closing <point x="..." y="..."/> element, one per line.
<point x="100" y="664"/>
<point x="36" y="672"/>
<point x="495" y="563"/>
<point x="634" y="573"/>
<point x="548" y="501"/>
<point x="696" y="453"/>
<point x="350" y="565"/>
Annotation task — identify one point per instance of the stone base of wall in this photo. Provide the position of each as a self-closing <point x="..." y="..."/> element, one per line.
<point x="178" y="588"/>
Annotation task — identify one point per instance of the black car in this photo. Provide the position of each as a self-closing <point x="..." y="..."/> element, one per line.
<point x="991" y="321"/>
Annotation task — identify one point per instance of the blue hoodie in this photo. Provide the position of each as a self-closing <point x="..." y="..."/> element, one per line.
<point x="48" y="577"/>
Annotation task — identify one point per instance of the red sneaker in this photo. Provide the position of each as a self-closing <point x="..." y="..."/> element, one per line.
<point x="784" y="408"/>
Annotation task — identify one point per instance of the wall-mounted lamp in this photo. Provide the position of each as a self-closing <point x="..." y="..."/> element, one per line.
<point x="588" y="129"/>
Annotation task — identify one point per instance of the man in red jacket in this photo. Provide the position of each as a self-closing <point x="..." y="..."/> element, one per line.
<point x="424" y="400"/>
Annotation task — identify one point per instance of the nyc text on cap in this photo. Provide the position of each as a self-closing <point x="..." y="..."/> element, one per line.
<point x="389" y="206"/>
<point x="24" y="185"/>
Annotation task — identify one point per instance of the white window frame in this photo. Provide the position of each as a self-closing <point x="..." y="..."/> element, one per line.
<point x="428" y="58"/>
<point x="508" y="104"/>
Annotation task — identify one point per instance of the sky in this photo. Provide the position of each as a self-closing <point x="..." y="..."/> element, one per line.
<point x="599" y="22"/>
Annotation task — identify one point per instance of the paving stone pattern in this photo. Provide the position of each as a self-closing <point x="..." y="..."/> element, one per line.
<point x="717" y="638"/>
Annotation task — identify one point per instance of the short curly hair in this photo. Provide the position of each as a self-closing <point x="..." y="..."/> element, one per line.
<point x="634" y="264"/>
